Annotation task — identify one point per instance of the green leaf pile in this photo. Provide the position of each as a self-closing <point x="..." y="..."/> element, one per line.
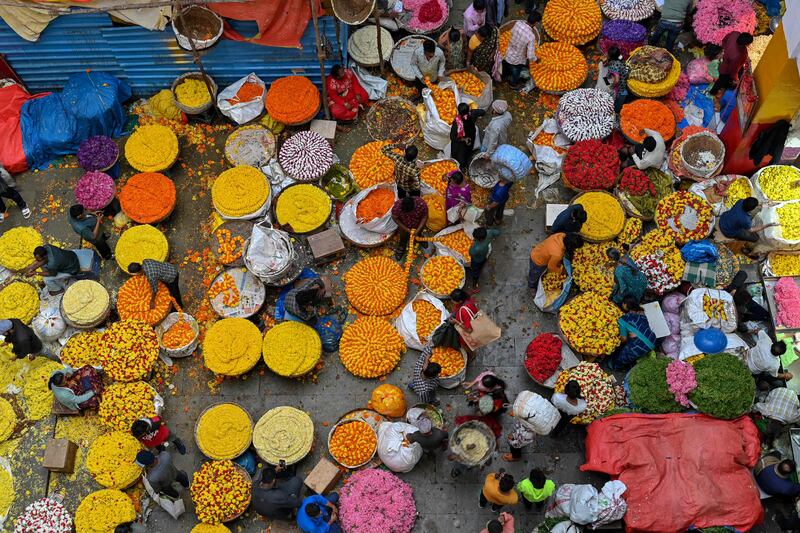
<point x="725" y="387"/>
<point x="648" y="386"/>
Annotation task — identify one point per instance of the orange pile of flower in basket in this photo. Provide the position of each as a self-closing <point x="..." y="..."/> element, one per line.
<point x="292" y="100"/>
<point x="442" y="274"/>
<point x="178" y="335"/>
<point x="247" y="92"/>
<point x="505" y="40"/>
<point x="449" y="359"/>
<point x="650" y="114"/>
<point x="434" y="173"/>
<point x="148" y="197"/>
<point x="225" y="285"/>
<point x="369" y="166"/>
<point x="353" y="443"/>
<point x="133" y="301"/>
<point x="370" y="347"/>
<point x="561" y="67"/>
<point x="428" y="318"/>
<point x="230" y="248"/>
<point x="458" y="241"/>
<point x="445" y="101"/>
<point x="376" y="286"/>
<point x="468" y="83"/>
<point x="376" y="204"/>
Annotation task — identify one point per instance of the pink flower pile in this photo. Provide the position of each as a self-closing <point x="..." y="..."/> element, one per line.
<point x="787" y="298"/>
<point x="95" y="190"/>
<point x="420" y="18"/>
<point x="717" y="18"/>
<point x="681" y="381"/>
<point x="377" y="501"/>
<point x="44" y="516"/>
<point x="681" y="88"/>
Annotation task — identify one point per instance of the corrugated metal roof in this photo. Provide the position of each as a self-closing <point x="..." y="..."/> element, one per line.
<point x="150" y="60"/>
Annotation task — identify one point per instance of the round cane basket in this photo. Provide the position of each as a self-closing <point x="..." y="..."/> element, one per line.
<point x="350" y="421"/>
<point x="109" y="167"/>
<point x="281" y="418"/>
<point x="194" y="76"/>
<point x="697" y="144"/>
<point x="385" y="120"/>
<point x="232" y="455"/>
<point x="352" y="12"/>
<point x="594" y="239"/>
<point x="568" y="185"/>
<point x="438" y="294"/>
<point x="199" y="25"/>
<point x="183" y="351"/>
<point x="456" y="450"/>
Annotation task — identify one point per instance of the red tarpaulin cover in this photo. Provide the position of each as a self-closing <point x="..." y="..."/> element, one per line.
<point x="280" y="22"/>
<point x="12" y="156"/>
<point x="680" y="469"/>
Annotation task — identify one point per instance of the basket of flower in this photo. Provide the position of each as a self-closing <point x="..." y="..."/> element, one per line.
<point x="393" y="118"/>
<point x="590" y="165"/>
<point x="605" y="217"/>
<point x="283" y="434"/>
<point x="148" y="198"/>
<point x="190" y="92"/>
<point x="588" y="323"/>
<point x="623" y="34"/>
<point x="702" y="154"/>
<point x="293" y="100"/>
<point x="572" y="21"/>
<point x="98" y="154"/>
<point x="628" y="10"/>
<point x="561" y="68"/>
<point x="250" y="145"/>
<point x="302" y="208"/>
<point x="442" y="274"/>
<point x="221" y="491"/>
<point x="639" y="191"/>
<point x="654" y="72"/>
<point x="643" y="114"/>
<point x="686" y="216"/>
<point x="352" y="442"/>
<point x="86" y="304"/>
<point x="178" y="335"/>
<point x="241" y="193"/>
<point x="306" y="156"/>
<point x="223" y="431"/>
<point x="152" y="148"/>
<point x="197" y="26"/>
<point x="424" y="16"/>
<point x="547" y="355"/>
<point x="591" y="271"/>
<point x="111" y="460"/>
<point x="585" y="114"/>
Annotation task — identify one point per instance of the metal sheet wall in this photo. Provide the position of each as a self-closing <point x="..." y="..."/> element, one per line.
<point x="150" y="60"/>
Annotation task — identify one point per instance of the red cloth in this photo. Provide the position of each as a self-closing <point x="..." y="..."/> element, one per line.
<point x="733" y="55"/>
<point x="348" y="90"/>
<point x="680" y="469"/>
<point x="280" y="22"/>
<point x="12" y="155"/>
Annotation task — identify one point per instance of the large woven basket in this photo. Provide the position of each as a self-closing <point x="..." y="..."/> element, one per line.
<point x="410" y="126"/>
<point x="352" y="12"/>
<point x="349" y="421"/>
<point x="700" y="143"/>
<point x="197" y="428"/>
<point x="198" y="24"/>
<point x="196" y="76"/>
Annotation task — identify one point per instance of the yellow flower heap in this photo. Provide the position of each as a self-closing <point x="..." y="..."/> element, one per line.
<point x="589" y="322"/>
<point x="239" y="191"/>
<point x="38" y="397"/>
<point x="19" y="300"/>
<point x="655" y="90"/>
<point x="232" y="346"/>
<point x="631" y="232"/>
<point x="777" y="182"/>
<point x="370" y="347"/>
<point x="428" y="318"/>
<point x="657" y="240"/>
<point x="83" y="348"/>
<point x="7" y="493"/>
<point x="124" y="403"/>
<point x="210" y="528"/>
<point x="17" y="245"/>
<point x="85" y="302"/>
<point x="283" y="433"/>
<point x="8" y="419"/>
<point x="434" y="173"/>
<point x="192" y="92"/>
<point x="789" y="217"/>
<point x="738" y="190"/>
<point x="572" y="21"/>
<point x="442" y="274"/>
<point x="604" y="216"/>
<point x="152" y="148"/>
<point x="103" y="511"/>
<point x="784" y="264"/>
<point x="220" y="491"/>
<point x="590" y="271"/>
<point x="139" y="243"/>
<point x="304" y="207"/>
<point x="132" y="350"/>
<point x="376" y="286"/>
<point x="291" y="349"/>
<point x="459" y="242"/>
<point x="224" y="431"/>
<point x="111" y="458"/>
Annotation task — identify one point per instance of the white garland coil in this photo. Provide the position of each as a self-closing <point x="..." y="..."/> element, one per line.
<point x="585" y="114"/>
<point x="634" y="10"/>
<point x="306" y="156"/>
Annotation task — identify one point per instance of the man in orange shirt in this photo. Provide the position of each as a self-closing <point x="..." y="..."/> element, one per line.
<point x="498" y="489"/>
<point x="549" y="254"/>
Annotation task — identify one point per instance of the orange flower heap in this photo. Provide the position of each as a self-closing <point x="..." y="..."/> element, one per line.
<point x="561" y="67"/>
<point x="428" y="318"/>
<point x="292" y="100"/>
<point x="468" y="82"/>
<point x="445" y="100"/>
<point x="434" y="173"/>
<point x="178" y="335"/>
<point x="504" y="41"/>
<point x="450" y="359"/>
<point x="442" y="274"/>
<point x="133" y="301"/>
<point x="230" y="248"/>
<point x="148" y="197"/>
<point x="459" y="242"/>
<point x="650" y="114"/>
<point x="226" y="286"/>
<point x="369" y="166"/>
<point x="353" y="443"/>
<point x="376" y="286"/>
<point x="370" y="347"/>
<point x="572" y="21"/>
<point x="220" y="492"/>
<point x="375" y="205"/>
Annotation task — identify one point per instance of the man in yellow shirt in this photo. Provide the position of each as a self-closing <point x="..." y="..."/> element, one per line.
<point x="498" y="489"/>
<point x="549" y="254"/>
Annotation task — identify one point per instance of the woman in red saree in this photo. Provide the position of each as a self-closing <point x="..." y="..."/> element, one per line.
<point x="345" y="94"/>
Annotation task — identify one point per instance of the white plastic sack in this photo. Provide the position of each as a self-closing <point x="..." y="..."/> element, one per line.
<point x="441" y="249"/>
<point x="406" y="323"/>
<point x="382" y="224"/>
<point x="612" y="506"/>
<point x="48" y="324"/>
<point x="396" y="456"/>
<point x="548" y="161"/>
<point x="436" y="131"/>
<point x="483" y="172"/>
<point x="735" y="346"/>
<point x="692" y="312"/>
<point x="583" y="505"/>
<point x="559" y="504"/>
<point x="374" y="85"/>
<point x="705" y="190"/>
<point x="270" y="252"/>
<point x="242" y="112"/>
<point x="566" y="527"/>
<point x="602" y="72"/>
<point x="535" y="412"/>
<point x="774" y="235"/>
<point x="174" y="507"/>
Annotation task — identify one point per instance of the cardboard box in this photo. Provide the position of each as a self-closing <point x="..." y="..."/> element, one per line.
<point x="59" y="456"/>
<point x="326" y="245"/>
<point x="551" y="213"/>
<point x="326" y="128"/>
<point x="323" y="477"/>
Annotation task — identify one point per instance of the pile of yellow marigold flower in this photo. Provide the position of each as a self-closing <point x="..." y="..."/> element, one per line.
<point x="777" y="182"/>
<point x="132" y="350"/>
<point x="291" y="349"/>
<point x="631" y="232"/>
<point x="133" y="301"/>
<point x="784" y="264"/>
<point x="376" y="286"/>
<point x="369" y="166"/>
<point x="450" y="359"/>
<point x="738" y="190"/>
<point x="789" y="217"/>
<point x="83" y="348"/>
<point x="210" y="528"/>
<point x="433" y="174"/>
<point x="224" y="431"/>
<point x="572" y="21"/>
<point x="232" y="346"/>
<point x="192" y="92"/>
<point x="353" y="443"/>
<point x="111" y="458"/>
<point x="590" y="271"/>
<point x="139" y="243"/>
<point x="605" y="217"/>
<point x="239" y="191"/>
<point x="589" y="323"/>
<point x="428" y="318"/>
<point x="102" y="511"/>
<point x="17" y="245"/>
<point x="304" y="207"/>
<point x="554" y="281"/>
<point x="123" y="404"/>
<point x="445" y="100"/>
<point x="85" y="302"/>
<point x="38" y="397"/>
<point x="442" y="274"/>
<point x="220" y="491"/>
<point x="370" y="347"/>
<point x="458" y="241"/>
<point x="19" y="300"/>
<point x="8" y="419"/>
<point x="151" y="148"/>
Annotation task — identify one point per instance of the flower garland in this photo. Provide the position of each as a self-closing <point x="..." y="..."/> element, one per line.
<point x="283" y="433"/>
<point x="132" y="350"/>
<point x="605" y="217"/>
<point x="589" y="323"/>
<point x="97" y="153"/>
<point x="306" y="156"/>
<point x="148" y="197"/>
<point x="376" y="286"/>
<point x="589" y="269"/>
<point x="83" y="348"/>
<point x="628" y="10"/>
<point x="442" y="274"/>
<point x="230" y="247"/>
<point x="220" y="491"/>
<point x="369" y="166"/>
<point x="103" y="511"/>
<point x="95" y="190"/>
<point x="468" y="83"/>
<point x="232" y="346"/>
<point x="240" y="191"/>
<point x="590" y="165"/>
<point x="715" y="19"/>
<point x="586" y="114"/>
<point x="45" y="515"/>
<point x="292" y="100"/>
<point x="38" y="396"/>
<point x="650" y="114"/>
<point x="17" y="245"/>
<point x="139" y="243"/>
<point x="543" y="356"/>
<point x="596" y="389"/>
<point x="179" y="335"/>
<point x="657" y="271"/>
<point x="133" y="301"/>
<point x="353" y="443"/>
<point x="19" y="300"/>
<point x="660" y="244"/>
<point x="681" y="381"/>
<point x="671" y="209"/>
<point x="224" y="431"/>
<point x="561" y="67"/>
<point x="226" y="286"/>
<point x="291" y="349"/>
<point x="111" y="459"/>
<point x="572" y="21"/>
<point x="152" y="148"/>
<point x="370" y="347"/>
<point x="631" y="232"/>
<point x="377" y="500"/>
<point x="304" y="207"/>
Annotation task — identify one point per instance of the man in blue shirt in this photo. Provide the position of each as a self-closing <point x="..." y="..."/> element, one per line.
<point x="318" y="514"/>
<point x="497" y="202"/>
<point x="89" y="226"/>
<point x="737" y="222"/>
<point x="773" y="478"/>
<point x="570" y="220"/>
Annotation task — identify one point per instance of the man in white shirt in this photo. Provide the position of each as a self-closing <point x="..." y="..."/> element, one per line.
<point x="651" y="153"/>
<point x="764" y="361"/>
<point x="521" y="48"/>
<point x="427" y="62"/>
<point x="496" y="133"/>
<point x="569" y="403"/>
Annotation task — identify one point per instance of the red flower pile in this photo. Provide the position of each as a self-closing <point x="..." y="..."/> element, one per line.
<point x="430" y="12"/>
<point x="591" y="165"/>
<point x="544" y="356"/>
<point x="636" y="183"/>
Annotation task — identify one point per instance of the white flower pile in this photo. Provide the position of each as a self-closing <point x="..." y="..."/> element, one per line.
<point x="44" y="516"/>
<point x="586" y="114"/>
<point x="306" y="156"/>
<point x="634" y="10"/>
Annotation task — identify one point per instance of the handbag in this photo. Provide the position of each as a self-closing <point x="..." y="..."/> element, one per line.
<point x="484" y="331"/>
<point x="446" y="335"/>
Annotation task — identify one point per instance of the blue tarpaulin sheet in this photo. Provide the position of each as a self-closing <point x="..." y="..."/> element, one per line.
<point x="55" y="125"/>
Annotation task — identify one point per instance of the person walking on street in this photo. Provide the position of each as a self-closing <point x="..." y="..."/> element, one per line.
<point x="89" y="226"/>
<point x="734" y="56"/>
<point x="569" y="403"/>
<point x="496" y="133"/>
<point x="276" y="493"/>
<point x="479" y="252"/>
<point x="8" y="189"/>
<point x="156" y="271"/>
<point x="535" y="489"/>
<point x="161" y="473"/>
<point x="406" y="169"/>
<point x="410" y="214"/>
<point x="498" y="489"/>
<point x="502" y="524"/>
<point x="500" y="194"/>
